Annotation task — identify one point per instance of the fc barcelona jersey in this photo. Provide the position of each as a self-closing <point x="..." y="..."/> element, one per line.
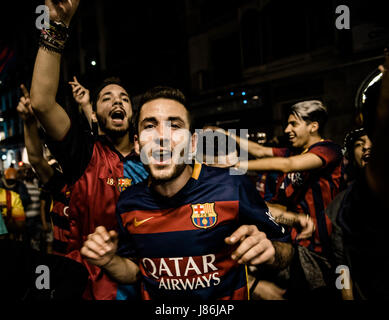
<point x="179" y="241"/>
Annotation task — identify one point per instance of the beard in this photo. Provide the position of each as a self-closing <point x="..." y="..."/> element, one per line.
<point x="112" y="132"/>
<point x="160" y="179"/>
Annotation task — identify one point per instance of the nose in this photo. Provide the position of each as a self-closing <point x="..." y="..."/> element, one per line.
<point x="117" y="100"/>
<point x="367" y="146"/>
<point x="287" y="129"/>
<point x="163" y="135"/>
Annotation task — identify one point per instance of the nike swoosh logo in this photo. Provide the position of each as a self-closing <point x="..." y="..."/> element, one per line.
<point x="138" y="223"/>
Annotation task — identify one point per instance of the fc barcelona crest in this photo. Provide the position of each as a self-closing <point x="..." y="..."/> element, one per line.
<point x="123" y="183"/>
<point x="204" y="215"/>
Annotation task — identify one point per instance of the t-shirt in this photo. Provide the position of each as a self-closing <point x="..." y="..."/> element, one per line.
<point x="179" y="241"/>
<point x="57" y="196"/>
<point x="96" y="173"/>
<point x="16" y="204"/>
<point x="33" y="209"/>
<point x="310" y="192"/>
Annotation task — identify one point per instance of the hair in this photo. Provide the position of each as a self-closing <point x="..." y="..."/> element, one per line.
<point x="349" y="140"/>
<point x="311" y="111"/>
<point x="106" y="82"/>
<point x="161" y="92"/>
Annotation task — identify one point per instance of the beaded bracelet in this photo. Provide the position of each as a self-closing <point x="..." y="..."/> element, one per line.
<point x="54" y="38"/>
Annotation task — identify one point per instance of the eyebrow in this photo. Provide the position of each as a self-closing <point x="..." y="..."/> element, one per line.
<point x="109" y="93"/>
<point x="154" y="120"/>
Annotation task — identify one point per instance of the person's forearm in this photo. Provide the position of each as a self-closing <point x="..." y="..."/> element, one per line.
<point x="87" y="110"/>
<point x="251" y="147"/>
<point x="122" y="270"/>
<point x="266" y="164"/>
<point x="282" y="216"/>
<point x="35" y="151"/>
<point x="45" y="80"/>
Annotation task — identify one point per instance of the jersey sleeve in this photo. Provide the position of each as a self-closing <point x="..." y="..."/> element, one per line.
<point x="329" y="153"/>
<point x="74" y="152"/>
<point x="17" y="207"/>
<point x="281" y="152"/>
<point x="254" y="211"/>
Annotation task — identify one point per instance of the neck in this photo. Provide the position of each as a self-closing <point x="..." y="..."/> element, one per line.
<point x="122" y="144"/>
<point x="170" y="188"/>
<point x="312" y="140"/>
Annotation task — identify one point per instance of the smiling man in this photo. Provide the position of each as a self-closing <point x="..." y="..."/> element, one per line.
<point x="191" y="231"/>
<point x="311" y="167"/>
<point x="97" y="169"/>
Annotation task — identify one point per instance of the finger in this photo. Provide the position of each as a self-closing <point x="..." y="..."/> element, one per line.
<point x="24" y="91"/>
<point x="75" y="79"/>
<point x="267" y="256"/>
<point x="95" y="247"/>
<point x="96" y="237"/>
<point x="114" y="235"/>
<point x="252" y="253"/>
<point x="89" y="254"/>
<point x="246" y="245"/>
<point x="240" y="233"/>
<point x="103" y="232"/>
<point x="76" y="89"/>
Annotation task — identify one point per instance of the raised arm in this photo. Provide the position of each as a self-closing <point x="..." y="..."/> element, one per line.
<point x="32" y="140"/>
<point x="46" y="73"/>
<point x="82" y="97"/>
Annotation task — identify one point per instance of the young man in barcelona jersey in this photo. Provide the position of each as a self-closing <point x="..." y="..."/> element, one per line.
<point x="312" y="178"/>
<point x="190" y="231"/>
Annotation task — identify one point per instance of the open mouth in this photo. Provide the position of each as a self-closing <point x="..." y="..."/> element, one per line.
<point x="366" y="157"/>
<point x="118" y="115"/>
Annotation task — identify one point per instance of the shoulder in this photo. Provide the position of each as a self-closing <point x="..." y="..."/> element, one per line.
<point x="326" y="145"/>
<point x="327" y="150"/>
<point x="133" y="196"/>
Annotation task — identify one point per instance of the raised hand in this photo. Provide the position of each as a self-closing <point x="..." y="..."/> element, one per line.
<point x="62" y="10"/>
<point x="24" y="108"/>
<point x="80" y="93"/>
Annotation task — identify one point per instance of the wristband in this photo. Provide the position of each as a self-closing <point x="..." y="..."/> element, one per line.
<point x="54" y="37"/>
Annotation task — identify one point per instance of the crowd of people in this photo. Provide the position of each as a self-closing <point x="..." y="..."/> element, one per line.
<point x="127" y="208"/>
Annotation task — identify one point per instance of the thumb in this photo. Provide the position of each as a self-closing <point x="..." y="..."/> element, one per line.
<point x="113" y="235"/>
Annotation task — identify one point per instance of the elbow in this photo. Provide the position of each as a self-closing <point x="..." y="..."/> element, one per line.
<point x="286" y="166"/>
<point x="40" y="103"/>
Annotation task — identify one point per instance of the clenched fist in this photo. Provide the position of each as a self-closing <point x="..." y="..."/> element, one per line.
<point x="62" y="10"/>
<point x="101" y="246"/>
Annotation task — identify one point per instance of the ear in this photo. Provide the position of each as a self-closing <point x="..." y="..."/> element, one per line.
<point x="136" y="144"/>
<point x="314" y="127"/>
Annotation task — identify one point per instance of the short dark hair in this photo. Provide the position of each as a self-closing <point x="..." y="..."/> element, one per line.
<point x="161" y="92"/>
<point x="311" y="111"/>
<point x="101" y="86"/>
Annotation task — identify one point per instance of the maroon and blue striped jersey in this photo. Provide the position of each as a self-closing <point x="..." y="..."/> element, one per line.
<point x="179" y="241"/>
<point x="310" y="192"/>
<point x="96" y="173"/>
